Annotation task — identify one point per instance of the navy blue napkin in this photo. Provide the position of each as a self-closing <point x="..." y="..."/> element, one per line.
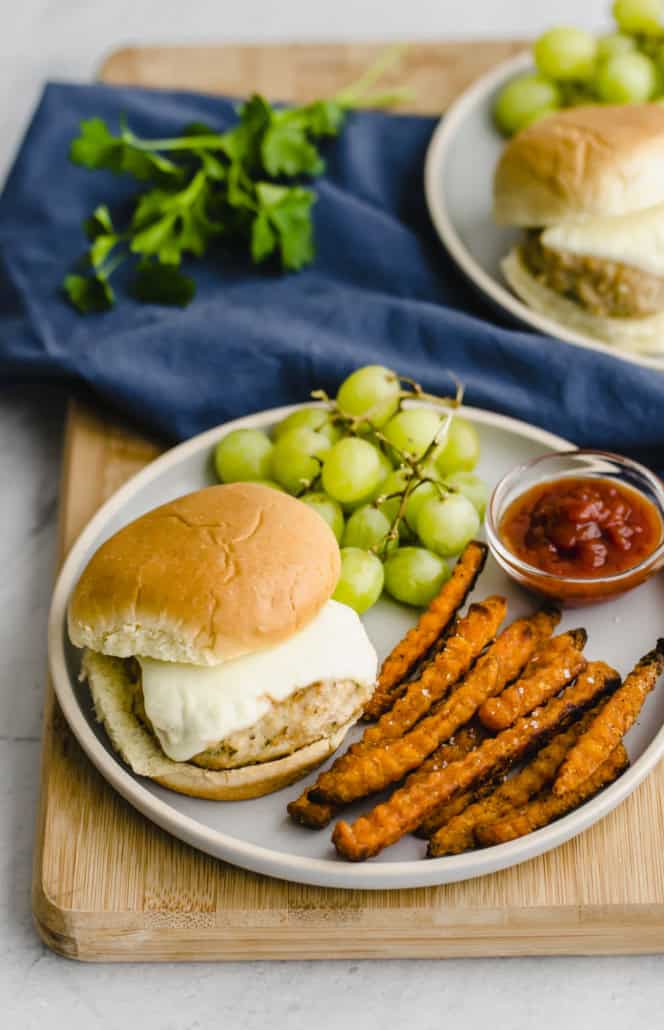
<point x="380" y="290"/>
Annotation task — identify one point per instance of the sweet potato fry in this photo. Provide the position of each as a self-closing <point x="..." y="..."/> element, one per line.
<point x="410" y="804"/>
<point x="377" y="767"/>
<point x="611" y="723"/>
<point x="316" y="815"/>
<point x="451" y="810"/>
<point x="552" y="806"/>
<point x="451" y="836"/>
<point x="419" y="640"/>
<point x="466" y="641"/>
<point x="557" y="664"/>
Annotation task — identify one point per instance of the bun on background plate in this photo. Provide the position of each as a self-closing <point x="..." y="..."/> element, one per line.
<point x="587" y="185"/>
<point x="215" y="657"/>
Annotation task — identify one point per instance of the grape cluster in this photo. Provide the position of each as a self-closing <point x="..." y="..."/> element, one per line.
<point x="574" y="67"/>
<point x="395" y="482"/>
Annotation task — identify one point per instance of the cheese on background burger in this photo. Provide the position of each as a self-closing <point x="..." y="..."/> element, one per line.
<point x="587" y="185"/>
<point x="215" y="656"/>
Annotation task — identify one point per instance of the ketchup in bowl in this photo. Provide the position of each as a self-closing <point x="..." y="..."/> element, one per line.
<point x="578" y="526"/>
<point x="581" y="527"/>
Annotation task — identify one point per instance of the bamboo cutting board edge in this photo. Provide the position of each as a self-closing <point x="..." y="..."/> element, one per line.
<point x="108" y="885"/>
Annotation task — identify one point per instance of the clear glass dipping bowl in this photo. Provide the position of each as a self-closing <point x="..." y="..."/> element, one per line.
<point x="571" y="591"/>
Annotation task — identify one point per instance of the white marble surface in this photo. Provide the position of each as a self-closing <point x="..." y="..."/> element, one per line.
<point x="66" y="38"/>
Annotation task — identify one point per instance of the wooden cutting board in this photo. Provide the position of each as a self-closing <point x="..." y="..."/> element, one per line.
<point x="109" y="885"/>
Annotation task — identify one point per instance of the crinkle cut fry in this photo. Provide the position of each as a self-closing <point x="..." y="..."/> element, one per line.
<point x="375" y="768"/>
<point x="556" y="664"/>
<point x="409" y="805"/>
<point x="452" y="835"/>
<point x="546" y="809"/>
<point x="467" y="640"/>
<point x="431" y="624"/>
<point x="455" y="808"/>
<point x="315" y="815"/>
<point x="611" y="723"/>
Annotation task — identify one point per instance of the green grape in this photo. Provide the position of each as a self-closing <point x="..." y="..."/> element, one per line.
<point x="353" y="469"/>
<point x="522" y="99"/>
<point x="421" y="493"/>
<point x="242" y="455"/>
<point x="638" y="16"/>
<point x="366" y="528"/>
<point x="395" y="483"/>
<point x="472" y="487"/>
<point x="328" y="509"/>
<point x="272" y="483"/>
<point x="361" y="580"/>
<point x="626" y="79"/>
<point x="446" y="524"/>
<point x="297" y="458"/>
<point x="414" y="575"/>
<point x="565" y="53"/>
<point x="613" y="44"/>
<point x="460" y="450"/>
<point x="309" y="418"/>
<point x="371" y="392"/>
<point x="412" y="431"/>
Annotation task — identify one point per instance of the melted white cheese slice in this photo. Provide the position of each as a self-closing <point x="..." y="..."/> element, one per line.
<point x="636" y="239"/>
<point x="192" y="707"/>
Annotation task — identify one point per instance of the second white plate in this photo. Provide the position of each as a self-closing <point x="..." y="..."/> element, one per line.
<point x="458" y="182"/>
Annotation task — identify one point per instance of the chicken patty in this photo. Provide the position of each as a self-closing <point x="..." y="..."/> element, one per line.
<point x="606" y="288"/>
<point x="310" y="714"/>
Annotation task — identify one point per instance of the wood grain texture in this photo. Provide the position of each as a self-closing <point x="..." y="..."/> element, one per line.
<point x="109" y="885"/>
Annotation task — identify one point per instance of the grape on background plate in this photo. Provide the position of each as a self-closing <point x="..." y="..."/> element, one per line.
<point x="328" y="509"/>
<point x="413" y="430"/>
<point x="367" y="528"/>
<point x="614" y="43"/>
<point x="414" y="575"/>
<point x="460" y="450"/>
<point x="524" y="100"/>
<point x="243" y="454"/>
<point x="272" y="483"/>
<point x="565" y="54"/>
<point x="421" y="492"/>
<point x="317" y="419"/>
<point x="361" y="580"/>
<point x="391" y="489"/>
<point x="371" y="392"/>
<point x="639" y="16"/>
<point x="352" y="471"/>
<point x="629" y="78"/>
<point x="446" y="524"/>
<point x="297" y="457"/>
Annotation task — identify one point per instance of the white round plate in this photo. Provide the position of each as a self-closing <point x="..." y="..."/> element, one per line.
<point x="458" y="181"/>
<point x="258" y="834"/>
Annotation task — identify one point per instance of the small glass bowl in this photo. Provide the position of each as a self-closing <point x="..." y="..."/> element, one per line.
<point x="572" y="591"/>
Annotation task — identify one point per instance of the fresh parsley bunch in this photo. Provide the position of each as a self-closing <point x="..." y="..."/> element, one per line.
<point x="243" y="185"/>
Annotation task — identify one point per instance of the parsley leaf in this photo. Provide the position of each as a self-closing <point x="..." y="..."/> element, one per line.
<point x="96" y="147"/>
<point x="286" y="211"/>
<point x="89" y="293"/>
<point x="163" y="284"/>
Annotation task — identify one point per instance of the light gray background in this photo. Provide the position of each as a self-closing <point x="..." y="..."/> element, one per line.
<point x="66" y="39"/>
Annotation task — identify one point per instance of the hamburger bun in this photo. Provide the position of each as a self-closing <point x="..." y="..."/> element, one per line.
<point x="214" y="575"/>
<point x="638" y="335"/>
<point x="112" y="697"/>
<point x="595" y="160"/>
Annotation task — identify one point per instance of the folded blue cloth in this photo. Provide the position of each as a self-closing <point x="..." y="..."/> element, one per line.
<point x="381" y="289"/>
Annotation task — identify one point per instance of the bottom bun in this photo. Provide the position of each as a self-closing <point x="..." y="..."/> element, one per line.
<point x="112" y="697"/>
<point x="640" y="335"/>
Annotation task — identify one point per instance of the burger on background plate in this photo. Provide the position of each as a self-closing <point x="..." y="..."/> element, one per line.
<point x="587" y="186"/>
<point x="216" y="659"/>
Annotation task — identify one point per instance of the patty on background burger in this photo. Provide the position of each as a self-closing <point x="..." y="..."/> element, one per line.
<point x="215" y="657"/>
<point x="587" y="186"/>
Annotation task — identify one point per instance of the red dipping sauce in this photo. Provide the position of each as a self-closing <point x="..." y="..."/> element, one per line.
<point x="581" y="528"/>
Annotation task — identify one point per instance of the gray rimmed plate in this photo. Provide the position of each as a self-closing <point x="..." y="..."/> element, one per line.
<point x="258" y="834"/>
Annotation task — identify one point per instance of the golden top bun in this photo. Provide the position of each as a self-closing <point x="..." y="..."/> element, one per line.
<point x="595" y="160"/>
<point x="216" y="574"/>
